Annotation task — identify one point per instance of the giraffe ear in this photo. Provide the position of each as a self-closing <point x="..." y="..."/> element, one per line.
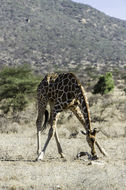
<point x="95" y="130"/>
<point x="83" y="132"/>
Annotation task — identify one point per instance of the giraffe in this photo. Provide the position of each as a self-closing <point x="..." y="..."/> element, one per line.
<point x="63" y="91"/>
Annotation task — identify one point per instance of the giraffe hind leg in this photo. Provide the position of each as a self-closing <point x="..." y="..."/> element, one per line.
<point x="38" y="125"/>
<point x="41" y="111"/>
<point x="52" y="132"/>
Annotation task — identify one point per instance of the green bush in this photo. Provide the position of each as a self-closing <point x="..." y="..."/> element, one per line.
<point x="105" y="84"/>
<point x="125" y="90"/>
<point x="16" y="84"/>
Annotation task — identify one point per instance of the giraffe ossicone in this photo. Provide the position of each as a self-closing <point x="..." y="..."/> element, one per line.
<point x="61" y="92"/>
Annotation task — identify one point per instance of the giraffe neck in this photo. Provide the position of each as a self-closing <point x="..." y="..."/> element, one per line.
<point x="85" y="110"/>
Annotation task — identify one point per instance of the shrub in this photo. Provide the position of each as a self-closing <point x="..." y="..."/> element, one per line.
<point x="125" y="90"/>
<point x="16" y="84"/>
<point x="105" y="84"/>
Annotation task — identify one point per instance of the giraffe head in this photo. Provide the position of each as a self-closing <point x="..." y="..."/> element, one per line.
<point x="91" y="139"/>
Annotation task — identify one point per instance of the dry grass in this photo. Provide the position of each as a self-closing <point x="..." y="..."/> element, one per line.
<point x="19" y="171"/>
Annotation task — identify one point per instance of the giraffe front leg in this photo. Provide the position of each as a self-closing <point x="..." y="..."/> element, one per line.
<point x="55" y="115"/>
<point x="77" y="112"/>
<point x="60" y="151"/>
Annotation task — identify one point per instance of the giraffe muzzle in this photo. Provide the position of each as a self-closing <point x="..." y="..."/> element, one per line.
<point x="96" y="142"/>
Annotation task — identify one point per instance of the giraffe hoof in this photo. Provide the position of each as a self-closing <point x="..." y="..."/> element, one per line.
<point x="62" y="155"/>
<point x="41" y="156"/>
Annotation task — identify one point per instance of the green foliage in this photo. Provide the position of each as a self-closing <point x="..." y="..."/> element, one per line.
<point x="105" y="84"/>
<point x="125" y="90"/>
<point x="16" y="84"/>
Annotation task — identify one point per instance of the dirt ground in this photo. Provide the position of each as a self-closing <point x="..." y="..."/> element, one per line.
<point x="20" y="171"/>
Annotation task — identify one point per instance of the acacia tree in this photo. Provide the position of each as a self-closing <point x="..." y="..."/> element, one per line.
<point x="16" y="85"/>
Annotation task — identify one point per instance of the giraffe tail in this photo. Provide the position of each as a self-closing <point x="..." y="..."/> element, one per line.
<point x="46" y="120"/>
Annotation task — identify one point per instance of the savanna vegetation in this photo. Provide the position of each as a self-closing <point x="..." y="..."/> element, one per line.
<point x="105" y="84"/>
<point x="17" y="88"/>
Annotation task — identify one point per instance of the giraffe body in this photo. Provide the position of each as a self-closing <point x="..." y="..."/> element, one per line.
<point x="63" y="91"/>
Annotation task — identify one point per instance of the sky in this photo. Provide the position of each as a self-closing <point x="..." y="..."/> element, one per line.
<point x="114" y="8"/>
